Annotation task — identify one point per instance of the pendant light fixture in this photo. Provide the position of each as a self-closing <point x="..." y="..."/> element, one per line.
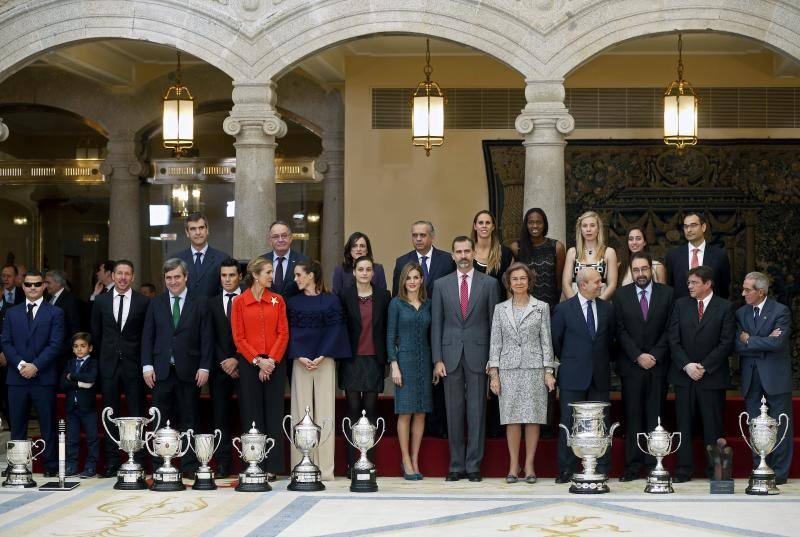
<point x="680" y="109"/>
<point x="427" y="103"/>
<point x="178" y="119"/>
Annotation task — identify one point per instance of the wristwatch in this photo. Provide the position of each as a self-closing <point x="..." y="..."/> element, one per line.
<point x="256" y="360"/>
<point x="549" y="370"/>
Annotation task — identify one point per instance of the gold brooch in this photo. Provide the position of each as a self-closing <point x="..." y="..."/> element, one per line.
<point x="274" y="301"/>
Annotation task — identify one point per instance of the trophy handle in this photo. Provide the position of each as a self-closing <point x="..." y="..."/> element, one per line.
<point x="33" y="445"/>
<point x="236" y="448"/>
<point x="680" y="439"/>
<point x="271" y="442"/>
<point x="611" y="432"/>
<point x="785" y="430"/>
<point x="188" y="434"/>
<point x="741" y="430"/>
<point x="381" y="421"/>
<point x="154" y="413"/>
<point x="344" y="432"/>
<point x="107" y="413"/>
<point x="329" y="421"/>
<point x="638" y="442"/>
<point x="285" y="430"/>
<point x="566" y="430"/>
<point x="218" y="435"/>
<point x="149" y="435"/>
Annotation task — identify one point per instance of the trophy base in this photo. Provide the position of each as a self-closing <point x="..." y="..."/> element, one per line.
<point x="130" y="479"/>
<point x="659" y="483"/>
<point x="363" y="481"/>
<point x="762" y="485"/>
<point x="589" y="484"/>
<point x="204" y="481"/>
<point x="19" y="481"/>
<point x="167" y="482"/>
<point x="253" y="483"/>
<point x="55" y="485"/>
<point x="305" y="483"/>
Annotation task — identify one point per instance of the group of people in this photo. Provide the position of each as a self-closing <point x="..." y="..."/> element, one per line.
<point x="517" y="323"/>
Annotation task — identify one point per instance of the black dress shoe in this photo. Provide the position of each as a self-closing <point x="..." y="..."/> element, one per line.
<point x="6" y="471"/>
<point x="681" y="478"/>
<point x="50" y="473"/>
<point x="781" y="480"/>
<point x="455" y="476"/>
<point x="111" y="471"/>
<point x="564" y="478"/>
<point x="474" y="477"/>
<point x="223" y="472"/>
<point x="629" y="476"/>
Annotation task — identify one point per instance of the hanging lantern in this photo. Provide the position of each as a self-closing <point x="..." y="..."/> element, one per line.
<point x="680" y="109"/>
<point x="427" y="103"/>
<point x="178" y="119"/>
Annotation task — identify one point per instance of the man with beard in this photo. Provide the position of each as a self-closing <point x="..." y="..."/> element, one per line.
<point x="642" y="311"/>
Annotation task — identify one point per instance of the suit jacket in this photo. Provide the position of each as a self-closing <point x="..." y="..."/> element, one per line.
<point x="224" y="347"/>
<point x="380" y="309"/>
<point x="677" y="265"/>
<point x="205" y="282"/>
<point x="289" y="288"/>
<point x="113" y="348"/>
<point x="771" y="356"/>
<point x="526" y="347"/>
<point x="441" y="264"/>
<point x="86" y="397"/>
<point x="39" y="344"/>
<point x="583" y="359"/>
<point x="635" y="335"/>
<point x="19" y="298"/>
<point x="71" y="307"/>
<point x="708" y="342"/>
<point x="451" y="335"/>
<point x="191" y="343"/>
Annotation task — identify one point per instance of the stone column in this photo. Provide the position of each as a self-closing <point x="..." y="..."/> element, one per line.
<point x="545" y="121"/>
<point x="3" y="131"/>
<point x="122" y="167"/>
<point x="331" y="165"/>
<point x="255" y="124"/>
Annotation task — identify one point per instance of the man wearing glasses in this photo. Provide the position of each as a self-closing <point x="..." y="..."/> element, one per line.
<point x="694" y="254"/>
<point x="33" y="333"/>
<point x="283" y="258"/>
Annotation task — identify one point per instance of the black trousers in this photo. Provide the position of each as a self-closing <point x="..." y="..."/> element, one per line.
<point x="43" y="399"/>
<point x="643" y="394"/>
<point x="710" y="405"/>
<point x="780" y="403"/>
<point x="436" y="421"/>
<point x="222" y="388"/>
<point x="112" y="389"/>
<point x="567" y="461"/>
<point x="262" y="403"/>
<point x="178" y="401"/>
<point x="78" y="419"/>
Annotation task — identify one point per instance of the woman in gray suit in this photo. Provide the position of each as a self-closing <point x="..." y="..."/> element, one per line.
<point x="521" y="366"/>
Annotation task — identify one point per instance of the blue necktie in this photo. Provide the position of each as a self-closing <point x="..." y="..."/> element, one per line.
<point x="78" y="364"/>
<point x="424" y="264"/>
<point x="755" y="316"/>
<point x="590" y="319"/>
<point x="198" y="261"/>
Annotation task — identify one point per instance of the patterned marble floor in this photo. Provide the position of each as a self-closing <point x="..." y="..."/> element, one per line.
<point x="423" y="508"/>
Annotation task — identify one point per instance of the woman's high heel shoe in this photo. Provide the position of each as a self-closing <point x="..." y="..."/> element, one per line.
<point x="408" y="477"/>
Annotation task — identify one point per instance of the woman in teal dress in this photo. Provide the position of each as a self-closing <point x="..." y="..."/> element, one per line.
<point x="409" y="352"/>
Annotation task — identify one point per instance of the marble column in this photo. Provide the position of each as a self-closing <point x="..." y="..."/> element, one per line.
<point x="544" y="122"/>
<point x="331" y="164"/>
<point x="255" y="124"/>
<point x="123" y="168"/>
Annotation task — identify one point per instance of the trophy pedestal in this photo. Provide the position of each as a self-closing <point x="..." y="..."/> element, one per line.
<point x="659" y="482"/>
<point x="19" y="479"/>
<point x="306" y="480"/>
<point x="363" y="480"/>
<point x="56" y="485"/>
<point x="253" y="482"/>
<point x="762" y="484"/>
<point x="589" y="484"/>
<point x="167" y="481"/>
<point x="204" y="480"/>
<point x="130" y="477"/>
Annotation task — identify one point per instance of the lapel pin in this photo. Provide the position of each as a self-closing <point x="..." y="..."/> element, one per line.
<point x="273" y="301"/>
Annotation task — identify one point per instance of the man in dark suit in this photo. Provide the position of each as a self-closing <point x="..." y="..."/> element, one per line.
<point x="283" y="258"/>
<point x="583" y="332"/>
<point x="12" y="295"/>
<point x="694" y="254"/>
<point x="177" y="351"/>
<point x="225" y="369"/>
<point x="642" y="311"/>
<point x="461" y="320"/>
<point x="202" y="260"/>
<point x="702" y="329"/>
<point x="762" y="341"/>
<point x="55" y="282"/>
<point x="117" y="327"/>
<point x="32" y="336"/>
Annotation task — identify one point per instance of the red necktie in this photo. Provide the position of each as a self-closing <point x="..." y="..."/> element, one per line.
<point x="695" y="259"/>
<point x="464" y="296"/>
<point x="700" y="309"/>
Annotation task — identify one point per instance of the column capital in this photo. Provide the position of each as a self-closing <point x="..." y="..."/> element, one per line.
<point x="3" y="131"/>
<point x="122" y="155"/>
<point x="544" y="112"/>
<point x="254" y="114"/>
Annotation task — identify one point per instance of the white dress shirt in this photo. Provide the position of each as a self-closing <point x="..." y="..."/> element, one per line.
<point x="202" y="253"/>
<point x="705" y="302"/>
<point x="225" y="299"/>
<point x="54" y="298"/>
<point x="469" y="276"/>
<point x="584" y="306"/>
<point x="126" y="305"/>
<point x="427" y="261"/>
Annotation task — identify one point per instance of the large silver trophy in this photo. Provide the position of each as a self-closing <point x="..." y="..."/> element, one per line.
<point x="363" y="439"/>
<point x="659" y="445"/>
<point x="204" y="447"/>
<point x="167" y="445"/>
<point x="130" y="475"/>
<point x="19" y="454"/>
<point x="253" y="450"/>
<point x="589" y="441"/>
<point x="305" y="436"/>
<point x="763" y="436"/>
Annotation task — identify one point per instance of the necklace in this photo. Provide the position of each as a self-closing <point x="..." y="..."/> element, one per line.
<point x="589" y="251"/>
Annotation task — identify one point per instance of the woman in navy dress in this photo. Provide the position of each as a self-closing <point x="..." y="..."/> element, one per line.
<point x="409" y="351"/>
<point x="357" y="245"/>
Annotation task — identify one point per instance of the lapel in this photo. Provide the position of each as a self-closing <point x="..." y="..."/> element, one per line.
<point x="354" y="306"/>
<point x="763" y="315"/>
<point x="185" y="312"/>
<point x="710" y="310"/>
<point x="477" y="285"/>
<point x="42" y="312"/>
<point x="576" y="306"/>
<point x="207" y="260"/>
<point x="508" y="308"/>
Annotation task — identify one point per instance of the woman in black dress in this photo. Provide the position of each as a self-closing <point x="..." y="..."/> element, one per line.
<point x="543" y="255"/>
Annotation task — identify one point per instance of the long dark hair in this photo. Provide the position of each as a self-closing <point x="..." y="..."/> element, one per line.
<point x="524" y="241"/>
<point x="628" y="254"/>
<point x="349" y="263"/>
<point x="314" y="267"/>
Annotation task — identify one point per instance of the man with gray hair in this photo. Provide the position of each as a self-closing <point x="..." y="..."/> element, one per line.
<point x="55" y="281"/>
<point x="762" y="341"/>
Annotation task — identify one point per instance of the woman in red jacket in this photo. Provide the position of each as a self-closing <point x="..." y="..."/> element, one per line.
<point x="261" y="332"/>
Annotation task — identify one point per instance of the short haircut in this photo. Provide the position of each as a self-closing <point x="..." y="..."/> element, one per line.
<point x="124" y="262"/>
<point x="13" y="266"/>
<point x="705" y="273"/>
<point x="515" y="266"/>
<point x="231" y="262"/>
<point x="85" y="336"/>
<point x="760" y="279"/>
<point x="431" y="230"/>
<point x="363" y="258"/>
<point x="582" y="274"/>
<point x="402" y="294"/>
<point x="149" y="286"/>
<point x="462" y="238"/>
<point x="279" y="223"/>
<point x="34" y="274"/>
<point x="173" y="263"/>
<point x="57" y="276"/>
<point x="108" y="265"/>
<point x="196" y="217"/>
<point x="698" y="214"/>
<point x="642" y="255"/>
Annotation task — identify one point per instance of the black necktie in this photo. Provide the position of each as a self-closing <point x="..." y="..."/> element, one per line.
<point x="228" y="305"/>
<point x="278" y="281"/>
<point x="755" y="316"/>
<point x="119" y="314"/>
<point x="590" y="319"/>
<point x="30" y="314"/>
<point x="197" y="261"/>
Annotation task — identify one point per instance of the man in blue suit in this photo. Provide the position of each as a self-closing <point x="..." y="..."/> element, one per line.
<point x="11" y="296"/>
<point x="762" y="341"/>
<point x="33" y="333"/>
<point x="435" y="263"/>
<point x="283" y="259"/>
<point x="202" y="260"/>
<point x="583" y="332"/>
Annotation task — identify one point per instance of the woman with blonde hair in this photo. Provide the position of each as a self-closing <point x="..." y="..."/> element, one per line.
<point x="590" y="251"/>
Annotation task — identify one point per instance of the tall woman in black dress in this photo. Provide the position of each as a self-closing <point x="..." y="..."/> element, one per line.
<point x="543" y="255"/>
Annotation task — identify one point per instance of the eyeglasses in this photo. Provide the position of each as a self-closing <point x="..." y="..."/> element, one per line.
<point x="33" y="284"/>
<point x="643" y="270"/>
<point x="283" y="236"/>
<point x="691" y="226"/>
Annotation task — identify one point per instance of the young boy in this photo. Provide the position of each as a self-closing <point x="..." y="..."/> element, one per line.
<point x="77" y="383"/>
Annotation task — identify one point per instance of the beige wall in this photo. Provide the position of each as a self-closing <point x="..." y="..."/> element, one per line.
<point x="388" y="183"/>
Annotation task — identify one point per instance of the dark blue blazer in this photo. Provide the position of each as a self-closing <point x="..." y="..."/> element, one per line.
<point x="191" y="343"/>
<point x="581" y="357"/>
<point x="677" y="265"/>
<point x="289" y="288"/>
<point x="206" y="281"/>
<point x="19" y="297"/>
<point x="40" y="344"/>
<point x="85" y="396"/>
<point x="441" y="264"/>
<point x="772" y="356"/>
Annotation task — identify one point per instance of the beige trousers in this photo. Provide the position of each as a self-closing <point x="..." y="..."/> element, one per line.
<point x="316" y="389"/>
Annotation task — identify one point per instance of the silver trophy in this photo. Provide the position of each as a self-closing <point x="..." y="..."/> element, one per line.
<point x="204" y="446"/>
<point x="130" y="475"/>
<point x="363" y="439"/>
<point x="763" y="436"/>
<point x="305" y="437"/>
<point x="253" y="450"/>
<point x="659" y="445"/>
<point x="589" y="441"/>
<point x="19" y="454"/>
<point x="167" y="445"/>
